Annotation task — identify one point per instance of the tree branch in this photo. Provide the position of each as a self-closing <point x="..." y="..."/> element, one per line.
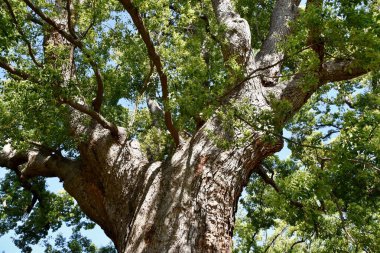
<point x="78" y="43"/>
<point x="343" y="220"/>
<point x="12" y="165"/>
<point x="237" y="33"/>
<point x="294" y="244"/>
<point x="69" y="19"/>
<point x="284" y="11"/>
<point x="12" y="70"/>
<point x="314" y="34"/>
<point x="35" y="163"/>
<point x="53" y="24"/>
<point x="20" y="31"/>
<point x="155" y="58"/>
<point x="92" y="23"/>
<point x="340" y="70"/>
<point x="297" y="94"/>
<point x="274" y="239"/>
<point x="260" y="72"/>
<point x="35" y="20"/>
<point x="93" y="114"/>
<point x="79" y="107"/>
<point x="260" y="170"/>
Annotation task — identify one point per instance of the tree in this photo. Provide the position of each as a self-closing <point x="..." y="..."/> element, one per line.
<point x="325" y="196"/>
<point x="209" y="86"/>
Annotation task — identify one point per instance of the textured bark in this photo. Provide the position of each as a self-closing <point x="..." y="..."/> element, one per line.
<point x="187" y="202"/>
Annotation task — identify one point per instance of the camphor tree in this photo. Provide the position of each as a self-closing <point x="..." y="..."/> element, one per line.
<point x="154" y="114"/>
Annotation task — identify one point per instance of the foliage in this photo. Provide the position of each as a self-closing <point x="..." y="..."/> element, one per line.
<point x="329" y="194"/>
<point x="76" y="244"/>
<point x="257" y="13"/>
<point x="346" y="30"/>
<point x="341" y="174"/>
<point x="33" y="221"/>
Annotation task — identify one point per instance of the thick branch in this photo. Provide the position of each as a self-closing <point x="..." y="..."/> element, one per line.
<point x="155" y="58"/>
<point x="340" y="70"/>
<point x="35" y="163"/>
<point x="97" y="103"/>
<point x="283" y="12"/>
<point x="154" y="109"/>
<point x="11" y="162"/>
<point x="237" y="33"/>
<point x="297" y="94"/>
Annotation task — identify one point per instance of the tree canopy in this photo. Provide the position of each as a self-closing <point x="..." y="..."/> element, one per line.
<point x="325" y="196"/>
<point x="157" y="71"/>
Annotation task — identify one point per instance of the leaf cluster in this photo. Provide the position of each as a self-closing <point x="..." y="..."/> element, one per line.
<point x="328" y="198"/>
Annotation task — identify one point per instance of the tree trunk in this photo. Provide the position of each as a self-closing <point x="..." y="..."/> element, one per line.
<point x="185" y="204"/>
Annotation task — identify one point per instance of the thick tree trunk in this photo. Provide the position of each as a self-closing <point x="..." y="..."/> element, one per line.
<point x="185" y="204"/>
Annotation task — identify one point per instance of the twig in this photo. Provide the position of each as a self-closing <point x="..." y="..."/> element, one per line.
<point x="275" y="238"/>
<point x="294" y="244"/>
